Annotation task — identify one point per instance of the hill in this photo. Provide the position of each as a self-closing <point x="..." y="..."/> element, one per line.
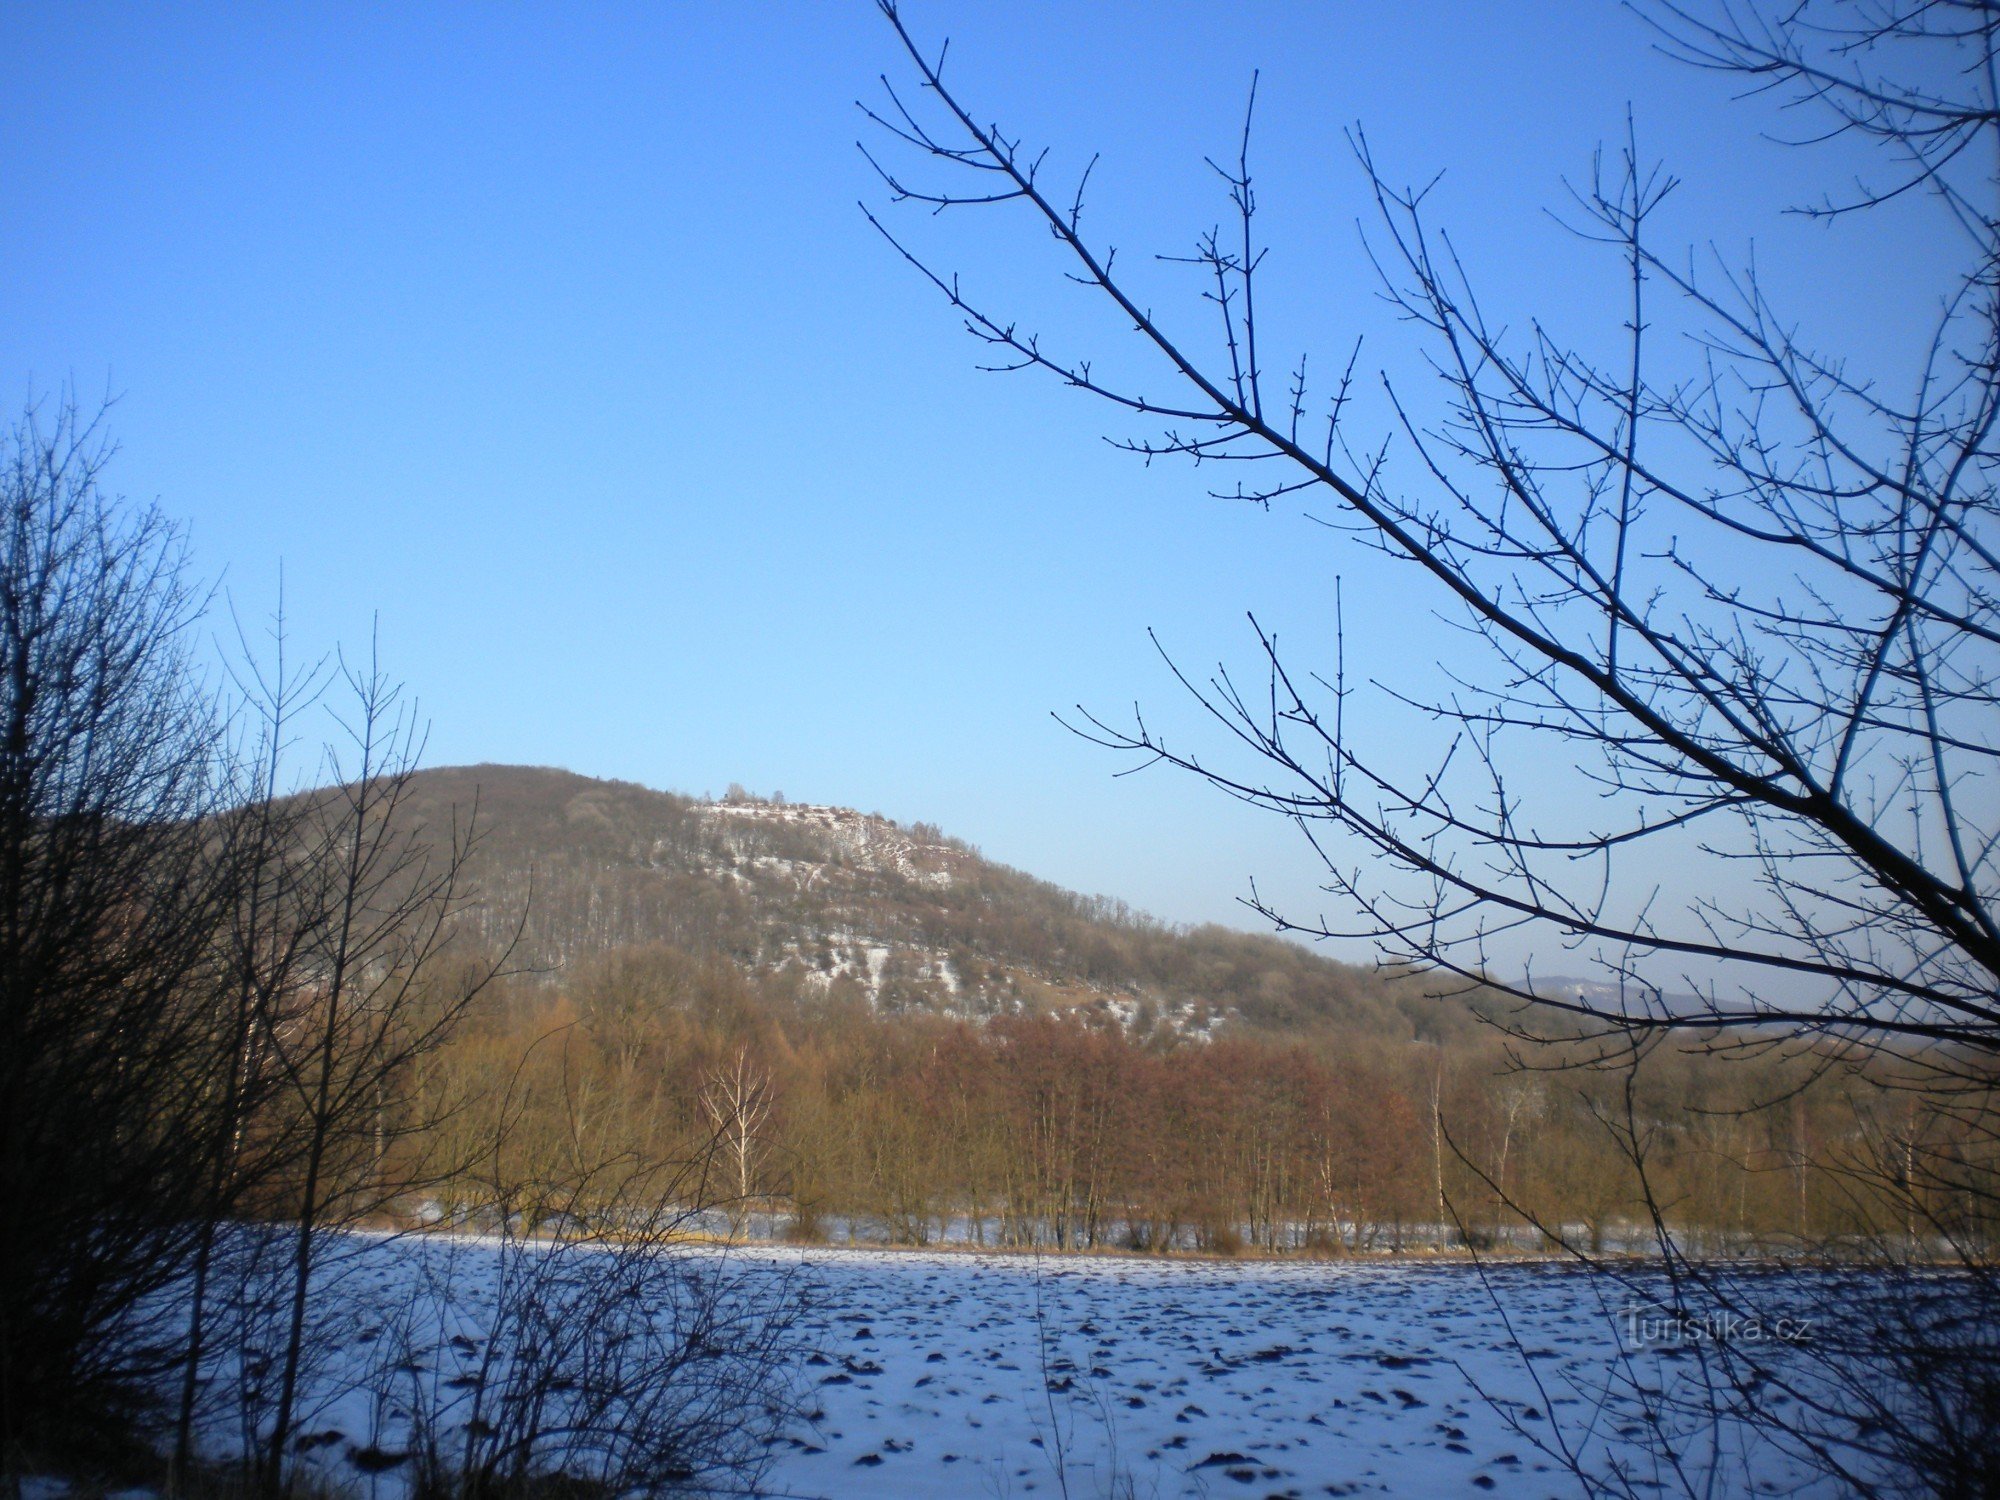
<point x="857" y="904"/>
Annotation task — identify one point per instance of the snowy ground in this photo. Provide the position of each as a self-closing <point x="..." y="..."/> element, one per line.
<point x="1206" y="1379"/>
<point x="955" y="1374"/>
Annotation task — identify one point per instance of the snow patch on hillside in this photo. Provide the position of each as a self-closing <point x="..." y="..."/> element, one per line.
<point x="773" y="846"/>
<point x="865" y="840"/>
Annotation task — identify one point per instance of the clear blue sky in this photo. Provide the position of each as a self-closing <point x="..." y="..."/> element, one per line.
<point x="553" y="334"/>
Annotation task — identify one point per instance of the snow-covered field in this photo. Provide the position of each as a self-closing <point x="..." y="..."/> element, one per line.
<point x="985" y="1375"/>
<point x="957" y="1374"/>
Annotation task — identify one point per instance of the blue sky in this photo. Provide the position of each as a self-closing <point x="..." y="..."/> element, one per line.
<point x="554" y="337"/>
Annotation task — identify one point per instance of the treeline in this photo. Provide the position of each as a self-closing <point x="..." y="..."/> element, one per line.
<point x="1051" y="1130"/>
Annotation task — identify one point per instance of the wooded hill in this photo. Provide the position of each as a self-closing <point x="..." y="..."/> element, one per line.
<point x="863" y="907"/>
<point x="848" y="1022"/>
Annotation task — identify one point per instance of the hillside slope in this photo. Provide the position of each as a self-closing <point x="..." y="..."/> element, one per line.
<point x="860" y="905"/>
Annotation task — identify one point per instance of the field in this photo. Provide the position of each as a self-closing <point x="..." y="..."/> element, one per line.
<point x="942" y="1373"/>
<point x="989" y="1375"/>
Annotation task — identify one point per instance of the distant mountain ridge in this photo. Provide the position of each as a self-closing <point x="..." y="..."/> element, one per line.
<point x="857" y="905"/>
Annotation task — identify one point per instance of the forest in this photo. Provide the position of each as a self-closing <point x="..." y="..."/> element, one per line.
<point x="1065" y="1130"/>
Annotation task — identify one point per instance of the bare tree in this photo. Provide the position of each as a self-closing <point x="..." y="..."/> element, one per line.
<point x="366" y="991"/>
<point x="737" y="1101"/>
<point x="212" y="996"/>
<point x="1745" y="590"/>
<point x="262" y="947"/>
<point x="111" y="898"/>
<point x="1832" y="716"/>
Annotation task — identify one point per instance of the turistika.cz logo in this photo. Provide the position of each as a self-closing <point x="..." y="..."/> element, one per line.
<point x="1646" y="1326"/>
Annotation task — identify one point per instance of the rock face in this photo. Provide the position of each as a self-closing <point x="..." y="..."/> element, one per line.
<point x="858" y="905"/>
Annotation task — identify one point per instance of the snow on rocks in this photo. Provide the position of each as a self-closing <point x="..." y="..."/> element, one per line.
<point x="866" y="840"/>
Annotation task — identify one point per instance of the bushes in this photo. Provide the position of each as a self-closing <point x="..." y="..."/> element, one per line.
<point x="614" y="1365"/>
